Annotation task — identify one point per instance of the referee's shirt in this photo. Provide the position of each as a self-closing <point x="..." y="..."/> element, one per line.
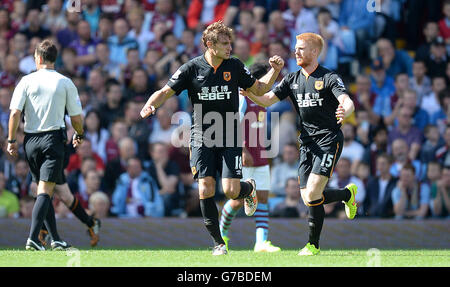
<point x="315" y="99"/>
<point x="43" y="97"/>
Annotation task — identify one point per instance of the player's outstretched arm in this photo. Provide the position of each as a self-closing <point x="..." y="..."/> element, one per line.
<point x="156" y="100"/>
<point x="261" y="86"/>
<point x="345" y="108"/>
<point x="265" y="100"/>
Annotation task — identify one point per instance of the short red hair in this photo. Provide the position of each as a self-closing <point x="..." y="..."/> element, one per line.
<point x="312" y="39"/>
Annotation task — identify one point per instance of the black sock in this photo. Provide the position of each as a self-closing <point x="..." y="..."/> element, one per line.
<point x="315" y="221"/>
<point x="246" y="189"/>
<point x="336" y="194"/>
<point x="38" y="215"/>
<point x="211" y="219"/>
<point x="80" y="213"/>
<point x="50" y="223"/>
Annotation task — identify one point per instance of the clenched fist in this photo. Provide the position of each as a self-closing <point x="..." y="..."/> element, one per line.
<point x="276" y="62"/>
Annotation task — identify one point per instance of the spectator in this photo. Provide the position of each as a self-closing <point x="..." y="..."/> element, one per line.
<point x="187" y="44"/>
<point x="364" y="97"/>
<point x="166" y="174"/>
<point x="430" y="102"/>
<point x="69" y="67"/>
<point x="420" y="116"/>
<point x="287" y="168"/>
<point x="140" y="86"/>
<point x="99" y="204"/>
<point x="352" y="149"/>
<point x="400" y="151"/>
<point x="26" y="206"/>
<point x="440" y="118"/>
<point x="136" y="193"/>
<point x="104" y="62"/>
<point x="355" y="16"/>
<point x="5" y="99"/>
<point x="84" y="151"/>
<point x="20" y="182"/>
<point x="378" y="200"/>
<point x="91" y="13"/>
<point x="257" y="8"/>
<point x="7" y="30"/>
<point x="115" y="167"/>
<point x="10" y="75"/>
<point x="96" y="87"/>
<point x="85" y="45"/>
<point x="202" y="13"/>
<point x="245" y="28"/>
<point x="242" y="51"/>
<point x="406" y="131"/>
<point x="9" y="203"/>
<point x="278" y="31"/>
<point x="378" y="146"/>
<point x="437" y="60"/>
<point x="343" y="178"/>
<point x="165" y="13"/>
<point x="440" y="203"/>
<point x="299" y="20"/>
<point x="431" y="32"/>
<point x="53" y="17"/>
<point x="162" y="128"/>
<point x="329" y="29"/>
<point x="138" y="130"/>
<point x="67" y="35"/>
<point x="133" y="63"/>
<point x="120" y="42"/>
<point x="444" y="23"/>
<point x="118" y="131"/>
<point x="401" y="84"/>
<point x="33" y="26"/>
<point x="18" y="45"/>
<point x="383" y="86"/>
<point x="443" y="154"/>
<point x="138" y="31"/>
<point x="76" y="180"/>
<point x="419" y="81"/>
<point x="27" y="64"/>
<point x="92" y="180"/>
<point x="170" y="54"/>
<point x="112" y="108"/>
<point x="95" y="133"/>
<point x="105" y="29"/>
<point x="292" y="205"/>
<point x="410" y="198"/>
<point x="433" y="142"/>
<point x="394" y="61"/>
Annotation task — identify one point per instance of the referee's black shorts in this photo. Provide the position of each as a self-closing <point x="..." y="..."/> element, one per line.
<point x="45" y="155"/>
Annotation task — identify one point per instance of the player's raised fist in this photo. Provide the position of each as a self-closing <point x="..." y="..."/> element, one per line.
<point x="276" y="62"/>
<point x="147" y="110"/>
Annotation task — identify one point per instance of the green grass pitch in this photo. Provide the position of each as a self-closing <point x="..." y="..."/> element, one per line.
<point x="202" y="257"/>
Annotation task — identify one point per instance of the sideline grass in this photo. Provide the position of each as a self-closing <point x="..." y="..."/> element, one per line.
<point x="202" y="257"/>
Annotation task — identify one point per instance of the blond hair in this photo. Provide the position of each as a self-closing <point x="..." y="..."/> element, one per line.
<point x="213" y="31"/>
<point x="312" y="39"/>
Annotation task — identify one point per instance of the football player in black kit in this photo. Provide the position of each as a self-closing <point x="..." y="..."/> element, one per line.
<point x="322" y="103"/>
<point x="213" y="81"/>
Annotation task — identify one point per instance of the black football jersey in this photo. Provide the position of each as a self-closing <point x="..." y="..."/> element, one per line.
<point x="214" y="94"/>
<point x="315" y="99"/>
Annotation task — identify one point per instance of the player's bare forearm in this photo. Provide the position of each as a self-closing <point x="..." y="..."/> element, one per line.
<point x="345" y="108"/>
<point x="265" y="100"/>
<point x="156" y="100"/>
<point x="14" y="120"/>
<point x="265" y="83"/>
<point x="77" y="124"/>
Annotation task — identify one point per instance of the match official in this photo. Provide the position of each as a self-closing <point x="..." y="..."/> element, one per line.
<point x="43" y="96"/>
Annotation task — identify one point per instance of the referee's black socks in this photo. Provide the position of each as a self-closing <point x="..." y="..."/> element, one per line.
<point x="38" y="215"/>
<point x="315" y="220"/>
<point x="50" y="223"/>
<point x="211" y="219"/>
<point x="336" y="194"/>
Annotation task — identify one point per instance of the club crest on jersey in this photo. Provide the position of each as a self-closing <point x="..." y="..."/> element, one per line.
<point x="318" y="85"/>
<point x="227" y="76"/>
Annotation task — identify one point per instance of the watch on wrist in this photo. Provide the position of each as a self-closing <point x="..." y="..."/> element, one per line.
<point x="11" y="141"/>
<point x="79" y="137"/>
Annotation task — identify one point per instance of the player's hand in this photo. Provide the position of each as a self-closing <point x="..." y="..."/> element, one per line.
<point x="13" y="149"/>
<point x="147" y="110"/>
<point x="76" y="140"/>
<point x="340" y="114"/>
<point x="276" y="62"/>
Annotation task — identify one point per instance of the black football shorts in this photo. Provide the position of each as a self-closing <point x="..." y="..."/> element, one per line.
<point x="320" y="156"/>
<point x="207" y="161"/>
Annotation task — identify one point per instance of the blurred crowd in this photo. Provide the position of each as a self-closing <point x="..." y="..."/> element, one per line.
<point x="392" y="54"/>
